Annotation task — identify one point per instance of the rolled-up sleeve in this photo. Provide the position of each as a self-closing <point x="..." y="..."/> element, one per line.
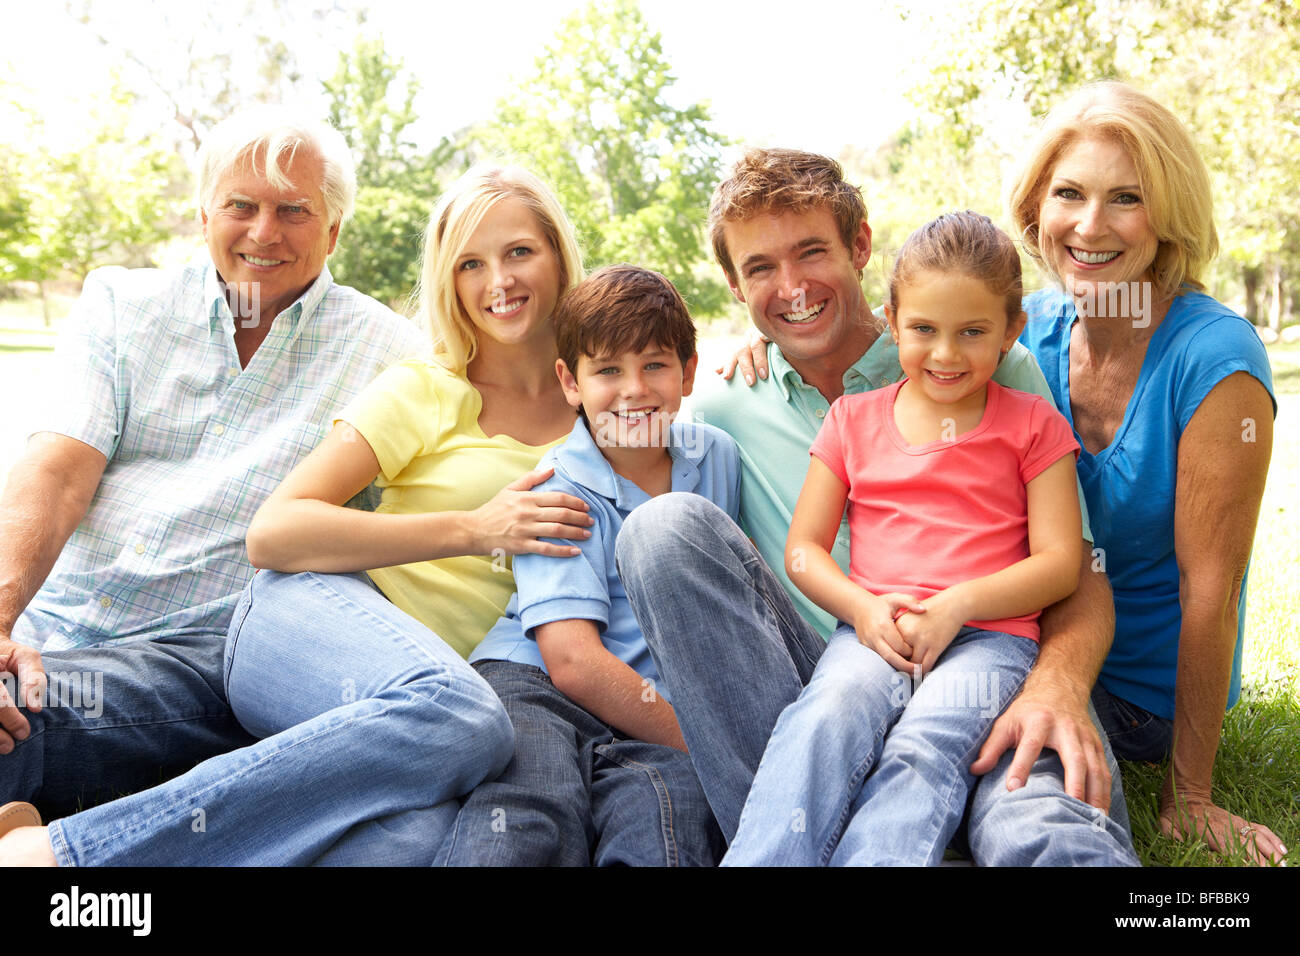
<point x="83" y="401"/>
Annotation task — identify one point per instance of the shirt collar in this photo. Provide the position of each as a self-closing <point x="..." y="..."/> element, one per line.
<point x="581" y="461"/>
<point x="218" y="308"/>
<point x="876" y="367"/>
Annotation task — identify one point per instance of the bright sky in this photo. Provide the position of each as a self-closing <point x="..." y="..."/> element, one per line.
<point x="818" y="74"/>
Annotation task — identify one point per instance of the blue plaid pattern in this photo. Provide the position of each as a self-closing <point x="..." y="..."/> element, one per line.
<point x="151" y="378"/>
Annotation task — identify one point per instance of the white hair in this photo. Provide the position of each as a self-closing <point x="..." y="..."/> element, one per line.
<point x="271" y="136"/>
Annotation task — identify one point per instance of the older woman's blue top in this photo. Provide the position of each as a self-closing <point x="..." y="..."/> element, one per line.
<point x="1129" y="485"/>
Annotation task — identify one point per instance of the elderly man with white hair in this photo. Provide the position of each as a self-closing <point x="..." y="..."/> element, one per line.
<point x="187" y="395"/>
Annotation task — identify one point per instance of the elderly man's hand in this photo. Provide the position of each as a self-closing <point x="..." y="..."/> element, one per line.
<point x="1047" y="715"/>
<point x="21" y="673"/>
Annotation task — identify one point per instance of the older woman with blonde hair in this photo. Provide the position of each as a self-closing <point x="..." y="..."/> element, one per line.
<point x="347" y="661"/>
<point x="1170" y="396"/>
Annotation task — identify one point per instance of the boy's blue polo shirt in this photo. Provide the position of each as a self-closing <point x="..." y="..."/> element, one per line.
<point x="587" y="587"/>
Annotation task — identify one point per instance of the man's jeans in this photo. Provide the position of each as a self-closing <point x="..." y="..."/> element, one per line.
<point x="576" y="795"/>
<point x="865" y="770"/>
<point x="371" y="728"/>
<point x="727" y="639"/>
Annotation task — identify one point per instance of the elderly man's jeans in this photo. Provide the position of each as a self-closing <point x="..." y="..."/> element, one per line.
<point x="729" y="642"/>
<point x="370" y="727"/>
<point x="576" y="794"/>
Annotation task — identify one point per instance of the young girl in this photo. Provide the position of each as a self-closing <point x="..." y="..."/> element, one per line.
<point x="964" y="523"/>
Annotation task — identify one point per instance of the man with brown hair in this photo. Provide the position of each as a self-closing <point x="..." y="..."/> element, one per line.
<point x="738" y="641"/>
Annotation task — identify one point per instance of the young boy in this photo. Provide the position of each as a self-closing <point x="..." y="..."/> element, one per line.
<point x="600" y="773"/>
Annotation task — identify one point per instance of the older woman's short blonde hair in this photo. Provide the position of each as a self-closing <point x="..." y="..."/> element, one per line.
<point x="1175" y="184"/>
<point x="458" y="212"/>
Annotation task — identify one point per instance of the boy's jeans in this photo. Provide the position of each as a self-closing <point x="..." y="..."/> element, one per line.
<point x="865" y="770"/>
<point x="576" y="795"/>
<point x="727" y="639"/>
<point x="371" y="728"/>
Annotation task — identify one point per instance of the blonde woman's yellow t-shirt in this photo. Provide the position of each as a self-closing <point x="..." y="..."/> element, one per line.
<point x="422" y="422"/>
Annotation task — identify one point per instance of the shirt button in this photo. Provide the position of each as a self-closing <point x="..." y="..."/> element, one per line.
<point x="821" y="413"/>
<point x="139" y="549"/>
<point x="234" y="370"/>
<point x="219" y="430"/>
<point x="105" y="601"/>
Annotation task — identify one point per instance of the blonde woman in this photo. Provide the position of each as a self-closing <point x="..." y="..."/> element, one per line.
<point x="1170" y="395"/>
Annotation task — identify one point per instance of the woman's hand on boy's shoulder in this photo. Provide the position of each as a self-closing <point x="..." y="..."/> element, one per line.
<point x="517" y="518"/>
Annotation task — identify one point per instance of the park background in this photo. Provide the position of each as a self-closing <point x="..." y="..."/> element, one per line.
<point x="633" y="111"/>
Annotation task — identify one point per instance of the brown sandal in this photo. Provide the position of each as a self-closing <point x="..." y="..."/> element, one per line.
<point x="15" y="815"/>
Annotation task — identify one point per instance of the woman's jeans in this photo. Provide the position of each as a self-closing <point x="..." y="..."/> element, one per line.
<point x="1135" y="734"/>
<point x="864" y="769"/>
<point x="370" y="727"/>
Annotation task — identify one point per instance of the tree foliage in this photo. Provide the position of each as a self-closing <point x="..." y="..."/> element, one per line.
<point x="634" y="171"/>
<point x="219" y="57"/>
<point x="371" y="102"/>
<point x="1231" y="71"/>
<point x="102" y="198"/>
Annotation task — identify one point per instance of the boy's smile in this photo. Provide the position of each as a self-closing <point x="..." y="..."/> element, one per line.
<point x="629" y="399"/>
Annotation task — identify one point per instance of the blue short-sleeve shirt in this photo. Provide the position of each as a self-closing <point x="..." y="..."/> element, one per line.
<point x="1129" y="484"/>
<point x="587" y="587"/>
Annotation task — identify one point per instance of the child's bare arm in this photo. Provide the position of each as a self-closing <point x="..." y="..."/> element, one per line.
<point x="594" y="679"/>
<point x="812" y="569"/>
<point x="1049" y="574"/>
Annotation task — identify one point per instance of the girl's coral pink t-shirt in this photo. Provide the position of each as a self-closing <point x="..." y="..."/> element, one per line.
<point x="925" y="517"/>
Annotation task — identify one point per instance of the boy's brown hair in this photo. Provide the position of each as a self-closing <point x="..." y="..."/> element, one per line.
<point x="781" y="180"/>
<point x="619" y="309"/>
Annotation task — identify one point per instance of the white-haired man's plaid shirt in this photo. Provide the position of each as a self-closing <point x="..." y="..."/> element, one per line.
<point x="150" y="377"/>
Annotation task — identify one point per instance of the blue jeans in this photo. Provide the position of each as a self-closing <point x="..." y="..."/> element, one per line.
<point x="729" y="642"/>
<point x="864" y="770"/>
<point x="370" y="727"/>
<point x="577" y="795"/>
<point x="1135" y="734"/>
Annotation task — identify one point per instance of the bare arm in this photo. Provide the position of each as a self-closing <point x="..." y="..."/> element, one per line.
<point x="47" y="495"/>
<point x="809" y="563"/>
<point x="594" y="679"/>
<point x="303" y="526"/>
<point x="1223" y="459"/>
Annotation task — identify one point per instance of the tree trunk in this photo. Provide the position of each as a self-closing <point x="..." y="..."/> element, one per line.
<point x="1250" y="279"/>
<point x="1275" y="307"/>
<point x="45" y="302"/>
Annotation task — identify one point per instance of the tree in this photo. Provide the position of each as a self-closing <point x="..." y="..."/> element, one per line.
<point x="1230" y="71"/>
<point x="218" y="58"/>
<point x="106" y="198"/>
<point x="634" y="172"/>
<point x="371" y="103"/>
